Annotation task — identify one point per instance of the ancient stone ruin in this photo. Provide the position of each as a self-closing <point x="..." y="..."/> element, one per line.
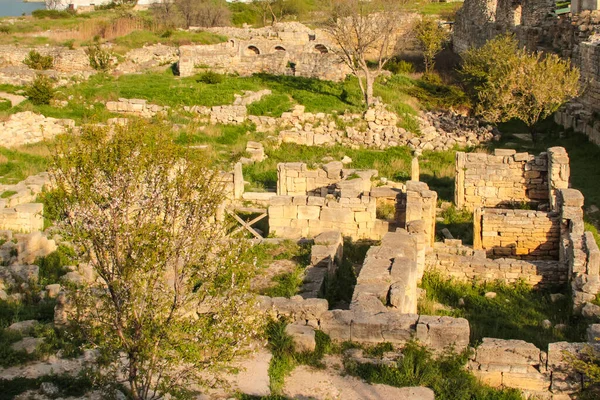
<point x="573" y="35"/>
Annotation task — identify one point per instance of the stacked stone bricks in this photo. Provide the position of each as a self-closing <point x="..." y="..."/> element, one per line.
<point x="459" y="262"/>
<point x="504" y="178"/>
<point x="523" y="234"/>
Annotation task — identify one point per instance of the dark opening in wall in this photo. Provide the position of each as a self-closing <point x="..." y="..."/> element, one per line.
<point x="279" y="48"/>
<point x="321" y="49"/>
<point x="254" y="49"/>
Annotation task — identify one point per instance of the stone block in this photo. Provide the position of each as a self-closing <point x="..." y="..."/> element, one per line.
<point x="303" y="337"/>
<point x="337" y="215"/>
<point x="309" y="212"/>
<point x="530" y="381"/>
<point x="511" y="352"/>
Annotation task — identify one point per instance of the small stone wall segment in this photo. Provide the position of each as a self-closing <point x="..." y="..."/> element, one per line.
<point x="325" y="257"/>
<point x="420" y="206"/>
<point x="511" y="363"/>
<point x="138" y="107"/>
<point x="19" y="212"/>
<point x="22" y="218"/>
<point x="437" y="333"/>
<point x="523" y="234"/>
<point x="304" y="216"/>
<point x="388" y="276"/>
<point x="27" y="127"/>
<point x="65" y="60"/>
<point x="296" y="179"/>
<point x="453" y="260"/>
<point x="233" y="182"/>
<point x="578" y="248"/>
<point x="484" y="180"/>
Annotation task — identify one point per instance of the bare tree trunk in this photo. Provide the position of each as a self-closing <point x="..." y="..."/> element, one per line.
<point x="369" y="92"/>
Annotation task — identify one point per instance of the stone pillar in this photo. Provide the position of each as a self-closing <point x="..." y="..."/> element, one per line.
<point x="414" y="168"/>
<point x="558" y="173"/>
<point x="477" y="217"/>
<point x="459" y="180"/>
<point x="238" y="181"/>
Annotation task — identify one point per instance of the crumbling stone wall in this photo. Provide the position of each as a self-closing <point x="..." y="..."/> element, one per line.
<point x="233" y="183"/>
<point x="19" y="212"/>
<point x="521" y="365"/>
<point x="135" y="106"/>
<point x="27" y="127"/>
<point x="506" y="177"/>
<point x="65" y="60"/>
<point x="285" y="49"/>
<point x="523" y="234"/>
<point x="453" y="260"/>
<point x="304" y="216"/>
<point x="296" y="179"/>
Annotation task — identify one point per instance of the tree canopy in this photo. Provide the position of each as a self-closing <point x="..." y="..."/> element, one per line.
<point x="171" y="296"/>
<point x="508" y="82"/>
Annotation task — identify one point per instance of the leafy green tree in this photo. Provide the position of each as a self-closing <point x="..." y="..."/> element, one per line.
<point x="170" y="303"/>
<point x="508" y="82"/>
<point x="431" y="36"/>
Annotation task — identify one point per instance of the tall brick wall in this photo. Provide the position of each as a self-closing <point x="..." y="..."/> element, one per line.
<point x="485" y="180"/>
<point x="523" y="234"/>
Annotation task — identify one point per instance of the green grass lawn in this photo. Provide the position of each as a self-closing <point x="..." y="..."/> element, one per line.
<point x="516" y="312"/>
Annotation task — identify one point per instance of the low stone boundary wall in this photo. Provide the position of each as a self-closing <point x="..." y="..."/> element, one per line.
<point x="233" y="182"/>
<point x="135" y="106"/>
<point x="523" y="234"/>
<point x="521" y="365"/>
<point x="303" y="216"/>
<point x="459" y="262"/>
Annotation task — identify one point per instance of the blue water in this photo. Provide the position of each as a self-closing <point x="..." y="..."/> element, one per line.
<point x="15" y="8"/>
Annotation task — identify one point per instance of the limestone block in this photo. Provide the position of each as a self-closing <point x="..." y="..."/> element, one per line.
<point x="338" y="215"/>
<point x="303" y="337"/>
<point x="23" y="326"/>
<point x="440" y="332"/>
<point x="527" y="381"/>
<point x="511" y="352"/>
<point x="337" y="324"/>
<point x="309" y="212"/>
<point x="28" y="344"/>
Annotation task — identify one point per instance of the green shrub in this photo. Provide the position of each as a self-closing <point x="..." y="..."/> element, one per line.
<point x="51" y="14"/>
<point x="5" y="29"/>
<point x="100" y="58"/>
<point x="210" y="77"/>
<point x="38" y="62"/>
<point x="52" y="267"/>
<point x="5" y="105"/>
<point x="396" y="66"/>
<point x="41" y="90"/>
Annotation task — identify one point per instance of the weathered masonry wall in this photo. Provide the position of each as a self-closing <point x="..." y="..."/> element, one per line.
<point x="484" y="180"/>
<point x="523" y="234"/>
<point x="521" y="365"/>
<point x="305" y="216"/>
<point x="453" y="260"/>
<point x="508" y="178"/>
<point x="233" y="182"/>
<point x="296" y="179"/>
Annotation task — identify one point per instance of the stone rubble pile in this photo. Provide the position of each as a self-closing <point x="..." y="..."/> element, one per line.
<point x="27" y="127"/>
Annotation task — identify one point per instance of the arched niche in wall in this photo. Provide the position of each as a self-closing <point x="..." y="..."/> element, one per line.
<point x="279" y="48"/>
<point x="320" y="48"/>
<point x="232" y="42"/>
<point x="254" y="49"/>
